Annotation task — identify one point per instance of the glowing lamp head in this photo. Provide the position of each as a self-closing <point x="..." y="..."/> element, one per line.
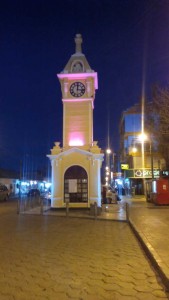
<point x="108" y="151"/>
<point x="143" y="137"/>
<point x="134" y="149"/>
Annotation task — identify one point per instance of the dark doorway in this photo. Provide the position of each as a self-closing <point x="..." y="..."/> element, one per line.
<point x="76" y="185"/>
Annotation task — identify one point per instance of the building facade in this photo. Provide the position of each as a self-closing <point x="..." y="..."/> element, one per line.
<point x="76" y="164"/>
<point x="141" y="158"/>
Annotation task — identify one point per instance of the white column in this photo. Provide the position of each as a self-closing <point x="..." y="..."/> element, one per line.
<point x="56" y="183"/>
<point x="95" y="181"/>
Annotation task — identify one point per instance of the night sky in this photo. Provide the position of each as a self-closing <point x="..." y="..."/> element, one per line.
<point x="125" y="41"/>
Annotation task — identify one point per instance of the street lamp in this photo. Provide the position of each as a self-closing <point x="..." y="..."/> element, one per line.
<point x="134" y="149"/>
<point x="152" y="162"/>
<point x="108" y="152"/>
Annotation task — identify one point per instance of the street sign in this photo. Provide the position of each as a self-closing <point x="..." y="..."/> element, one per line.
<point x="124" y="166"/>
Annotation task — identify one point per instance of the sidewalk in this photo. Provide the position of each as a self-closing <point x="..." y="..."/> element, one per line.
<point x="151" y="225"/>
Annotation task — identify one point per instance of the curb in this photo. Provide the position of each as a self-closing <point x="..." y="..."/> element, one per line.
<point x="155" y="259"/>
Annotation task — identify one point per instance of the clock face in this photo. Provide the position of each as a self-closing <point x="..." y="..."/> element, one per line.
<point x="77" y="89"/>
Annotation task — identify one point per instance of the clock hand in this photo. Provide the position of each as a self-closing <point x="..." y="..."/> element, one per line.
<point x="78" y="88"/>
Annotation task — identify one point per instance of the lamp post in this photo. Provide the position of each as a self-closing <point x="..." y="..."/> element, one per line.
<point x="108" y="171"/>
<point x="152" y="162"/>
<point x="144" y="138"/>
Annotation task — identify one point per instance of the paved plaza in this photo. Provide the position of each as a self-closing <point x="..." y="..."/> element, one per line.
<point x="49" y="257"/>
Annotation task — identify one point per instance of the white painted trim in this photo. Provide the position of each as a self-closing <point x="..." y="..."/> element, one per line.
<point x="74" y="150"/>
<point x="80" y="76"/>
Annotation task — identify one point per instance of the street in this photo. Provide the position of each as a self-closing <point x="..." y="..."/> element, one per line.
<point x="48" y="257"/>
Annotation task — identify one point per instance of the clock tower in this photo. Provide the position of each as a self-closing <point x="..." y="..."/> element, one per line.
<point x="78" y="85"/>
<point x="76" y="166"/>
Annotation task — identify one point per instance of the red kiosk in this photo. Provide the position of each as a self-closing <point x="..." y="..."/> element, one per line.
<point x="157" y="191"/>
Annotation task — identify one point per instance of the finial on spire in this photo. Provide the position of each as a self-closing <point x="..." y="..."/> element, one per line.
<point x="78" y="41"/>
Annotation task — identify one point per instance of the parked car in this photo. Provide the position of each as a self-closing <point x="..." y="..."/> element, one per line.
<point x="4" y="193"/>
<point x="33" y="193"/>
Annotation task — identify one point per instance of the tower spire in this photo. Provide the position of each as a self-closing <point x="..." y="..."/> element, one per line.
<point x="78" y="42"/>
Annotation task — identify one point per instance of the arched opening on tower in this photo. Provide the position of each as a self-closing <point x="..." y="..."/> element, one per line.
<point x="76" y="185"/>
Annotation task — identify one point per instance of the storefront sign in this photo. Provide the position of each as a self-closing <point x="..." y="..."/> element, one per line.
<point x="141" y="173"/>
<point x="124" y="166"/>
<point x="165" y="173"/>
<point x="146" y="173"/>
<point x="117" y="174"/>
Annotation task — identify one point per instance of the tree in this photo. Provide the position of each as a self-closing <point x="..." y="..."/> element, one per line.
<point x="157" y="120"/>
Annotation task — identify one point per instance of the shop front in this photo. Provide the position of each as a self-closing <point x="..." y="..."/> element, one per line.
<point x="135" y="179"/>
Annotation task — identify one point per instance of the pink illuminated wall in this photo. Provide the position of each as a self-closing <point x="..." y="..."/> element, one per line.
<point x="77" y="130"/>
<point x="78" y="112"/>
<point x="76" y="139"/>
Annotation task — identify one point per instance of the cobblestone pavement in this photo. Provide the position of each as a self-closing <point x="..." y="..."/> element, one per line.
<point x="59" y="258"/>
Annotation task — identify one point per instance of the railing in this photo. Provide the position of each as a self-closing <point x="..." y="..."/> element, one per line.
<point x="41" y="205"/>
<point x="37" y="204"/>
